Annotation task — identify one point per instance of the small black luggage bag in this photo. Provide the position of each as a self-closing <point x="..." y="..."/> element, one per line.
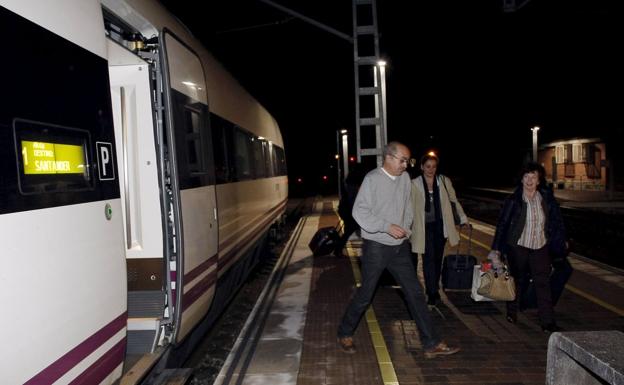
<point x="457" y="268"/>
<point x="561" y="272"/>
<point x="324" y="241"/>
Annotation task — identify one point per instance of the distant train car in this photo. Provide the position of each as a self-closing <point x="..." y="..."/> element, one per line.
<point x="138" y="183"/>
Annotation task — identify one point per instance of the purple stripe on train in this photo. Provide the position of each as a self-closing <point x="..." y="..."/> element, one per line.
<point x="188" y="277"/>
<point x="61" y="366"/>
<point x="200" y="288"/>
<point x="101" y="368"/>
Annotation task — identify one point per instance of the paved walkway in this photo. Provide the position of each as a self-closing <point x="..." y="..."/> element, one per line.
<point x="316" y="291"/>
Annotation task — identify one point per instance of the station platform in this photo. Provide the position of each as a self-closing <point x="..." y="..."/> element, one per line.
<point x="290" y="336"/>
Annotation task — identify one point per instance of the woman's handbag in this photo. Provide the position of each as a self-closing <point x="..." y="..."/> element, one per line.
<point x="497" y="286"/>
<point x="456" y="217"/>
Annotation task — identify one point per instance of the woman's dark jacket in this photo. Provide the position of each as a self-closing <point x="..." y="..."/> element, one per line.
<point x="513" y="216"/>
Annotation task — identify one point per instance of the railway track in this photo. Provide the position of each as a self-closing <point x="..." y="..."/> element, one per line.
<point x="209" y="357"/>
<point x="595" y="234"/>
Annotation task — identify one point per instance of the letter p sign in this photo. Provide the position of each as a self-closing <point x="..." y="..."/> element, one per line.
<point x="106" y="165"/>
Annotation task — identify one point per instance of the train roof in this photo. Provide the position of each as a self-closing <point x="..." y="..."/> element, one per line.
<point x="226" y="97"/>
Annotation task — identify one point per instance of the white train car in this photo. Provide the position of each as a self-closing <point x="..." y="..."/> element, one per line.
<point x="138" y="184"/>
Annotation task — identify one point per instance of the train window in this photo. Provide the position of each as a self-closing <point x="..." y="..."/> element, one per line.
<point x="280" y="160"/>
<point x="240" y="155"/>
<point x="222" y="139"/>
<point x="266" y="155"/>
<point x="274" y="160"/>
<point x="242" y="142"/>
<point x="258" y="160"/>
<point x="51" y="158"/>
<point x="193" y="140"/>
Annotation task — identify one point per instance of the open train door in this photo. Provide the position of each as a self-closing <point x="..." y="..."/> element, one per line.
<point x="191" y="167"/>
<point x="135" y="140"/>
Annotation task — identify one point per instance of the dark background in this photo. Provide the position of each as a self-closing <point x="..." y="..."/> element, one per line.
<point x="464" y="77"/>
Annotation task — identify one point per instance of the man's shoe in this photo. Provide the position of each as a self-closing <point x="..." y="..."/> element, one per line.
<point x="441" y="349"/>
<point x="346" y="344"/>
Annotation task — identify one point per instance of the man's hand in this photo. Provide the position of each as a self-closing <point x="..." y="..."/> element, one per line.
<point x="397" y="231"/>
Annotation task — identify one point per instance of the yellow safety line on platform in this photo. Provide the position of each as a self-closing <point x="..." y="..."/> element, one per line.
<point x="573" y="289"/>
<point x="595" y="300"/>
<point x="476" y="242"/>
<point x="386" y="368"/>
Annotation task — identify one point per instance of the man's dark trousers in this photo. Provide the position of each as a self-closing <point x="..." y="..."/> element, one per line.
<point x="398" y="260"/>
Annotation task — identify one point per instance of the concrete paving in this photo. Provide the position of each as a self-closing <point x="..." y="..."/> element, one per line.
<point x="299" y="346"/>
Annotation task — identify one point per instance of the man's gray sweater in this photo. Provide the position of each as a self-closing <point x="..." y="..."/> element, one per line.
<point x="381" y="202"/>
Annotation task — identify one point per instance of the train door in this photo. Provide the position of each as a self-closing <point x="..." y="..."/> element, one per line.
<point x="193" y="183"/>
<point x="140" y="197"/>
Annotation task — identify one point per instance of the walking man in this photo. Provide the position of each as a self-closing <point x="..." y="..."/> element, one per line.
<point x="383" y="209"/>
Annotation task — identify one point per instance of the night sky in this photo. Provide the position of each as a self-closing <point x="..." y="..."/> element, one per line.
<point x="464" y="77"/>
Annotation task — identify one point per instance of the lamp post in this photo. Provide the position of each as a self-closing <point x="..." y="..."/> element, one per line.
<point x="345" y="153"/>
<point x="382" y="77"/>
<point x="535" y="129"/>
<point x="380" y="106"/>
<point x="338" y="171"/>
<point x="345" y="148"/>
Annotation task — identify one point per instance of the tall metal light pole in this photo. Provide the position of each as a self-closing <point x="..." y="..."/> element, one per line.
<point x="384" y="115"/>
<point x="345" y="148"/>
<point x="535" y="129"/>
<point x="339" y="177"/>
<point x="345" y="153"/>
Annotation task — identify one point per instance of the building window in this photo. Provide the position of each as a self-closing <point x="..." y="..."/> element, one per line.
<point x="560" y="154"/>
<point x="579" y="153"/>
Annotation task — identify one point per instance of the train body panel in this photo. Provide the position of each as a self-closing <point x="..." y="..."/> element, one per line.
<point x="60" y="211"/>
<point x="227" y="98"/>
<point x="245" y="208"/>
<point x="200" y="255"/>
<point x="76" y="287"/>
<point x="86" y="27"/>
<point x="162" y="179"/>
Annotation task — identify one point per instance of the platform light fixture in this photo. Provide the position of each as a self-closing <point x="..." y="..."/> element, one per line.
<point x="535" y="129"/>
<point x="380" y="105"/>
<point x="345" y="153"/>
<point x="341" y="134"/>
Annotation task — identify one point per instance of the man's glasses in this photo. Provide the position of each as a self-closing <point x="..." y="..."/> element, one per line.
<point x="402" y="160"/>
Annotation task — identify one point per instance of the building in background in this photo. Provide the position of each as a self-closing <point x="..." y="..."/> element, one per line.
<point x="576" y="164"/>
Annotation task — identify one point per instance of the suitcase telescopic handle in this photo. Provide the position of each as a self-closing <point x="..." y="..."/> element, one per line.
<point x="469" y="225"/>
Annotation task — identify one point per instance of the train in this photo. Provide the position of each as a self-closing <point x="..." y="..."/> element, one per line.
<point x="139" y="183"/>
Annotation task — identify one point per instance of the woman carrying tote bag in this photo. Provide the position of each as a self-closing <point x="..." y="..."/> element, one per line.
<point x="530" y="233"/>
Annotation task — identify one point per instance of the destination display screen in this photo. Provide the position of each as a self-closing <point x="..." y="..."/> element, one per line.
<point x="44" y="158"/>
<point x="52" y="158"/>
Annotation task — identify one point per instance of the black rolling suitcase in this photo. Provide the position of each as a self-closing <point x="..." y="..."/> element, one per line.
<point x="457" y="269"/>
<point x="561" y="272"/>
<point x="324" y="241"/>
